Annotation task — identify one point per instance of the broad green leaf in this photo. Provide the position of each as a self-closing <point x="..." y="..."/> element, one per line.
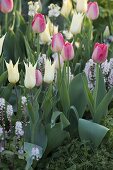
<point x="63" y="119"/>
<point x="88" y="94"/>
<point x="91" y="131"/>
<point x="73" y="119"/>
<point x="100" y="89"/>
<point x="3" y="78"/>
<point x="64" y="96"/>
<point x="47" y="104"/>
<point x="55" y="136"/>
<point x="77" y="95"/>
<point x="102" y="108"/>
<point x="7" y="91"/>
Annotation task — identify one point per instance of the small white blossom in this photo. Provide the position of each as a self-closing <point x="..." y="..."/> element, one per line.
<point x="54" y="10"/>
<point x="68" y="34"/>
<point x="24" y="100"/>
<point x="9" y="111"/>
<point x="34" y="7"/>
<point x="35" y="153"/>
<point x="2" y="104"/>
<point x="18" y="129"/>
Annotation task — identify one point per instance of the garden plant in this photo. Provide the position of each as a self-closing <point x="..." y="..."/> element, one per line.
<point x="56" y="85"/>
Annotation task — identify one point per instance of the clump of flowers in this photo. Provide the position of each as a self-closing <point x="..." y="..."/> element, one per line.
<point x="19" y="129"/>
<point x="54" y="10"/>
<point x="34" y="7"/>
<point x="35" y="153"/>
<point x="9" y="112"/>
<point x="107" y="70"/>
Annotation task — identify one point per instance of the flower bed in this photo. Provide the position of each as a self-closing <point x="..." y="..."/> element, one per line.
<point x="56" y="85"/>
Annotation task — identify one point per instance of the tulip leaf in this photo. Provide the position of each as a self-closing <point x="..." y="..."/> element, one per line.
<point x="77" y="95"/>
<point x="73" y="119"/>
<point x="91" y="131"/>
<point x="7" y="91"/>
<point x="64" y="96"/>
<point x="100" y="89"/>
<point x="102" y="108"/>
<point x="89" y="96"/>
<point x="63" y="119"/>
<point x="3" y="78"/>
<point x="56" y="136"/>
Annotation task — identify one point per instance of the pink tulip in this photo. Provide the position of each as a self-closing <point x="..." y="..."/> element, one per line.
<point x="6" y="6"/>
<point x="39" y="23"/>
<point x="57" y="42"/>
<point x="93" y="10"/>
<point x="100" y="53"/>
<point x="67" y="51"/>
<point x="38" y="78"/>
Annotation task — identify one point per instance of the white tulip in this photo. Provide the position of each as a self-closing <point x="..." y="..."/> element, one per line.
<point x="81" y="6"/>
<point x="30" y="77"/>
<point x="49" y="71"/>
<point x="76" y="23"/>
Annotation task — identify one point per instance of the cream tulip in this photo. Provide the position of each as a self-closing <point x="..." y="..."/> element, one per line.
<point x="1" y="43"/>
<point x="66" y="8"/>
<point x="81" y="6"/>
<point x="13" y="73"/>
<point x="76" y="23"/>
<point x="30" y="77"/>
<point x="49" y="71"/>
<point x="45" y="36"/>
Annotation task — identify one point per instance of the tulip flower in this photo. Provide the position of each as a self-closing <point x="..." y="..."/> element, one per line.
<point x="38" y="23"/>
<point x="93" y="10"/>
<point x="67" y="51"/>
<point x="1" y="43"/>
<point x="38" y="75"/>
<point x="6" y="6"/>
<point x="76" y="23"/>
<point x="81" y="6"/>
<point x="57" y="42"/>
<point x="13" y="73"/>
<point x="30" y="75"/>
<point x="49" y="71"/>
<point x="100" y="53"/>
<point x="66" y="8"/>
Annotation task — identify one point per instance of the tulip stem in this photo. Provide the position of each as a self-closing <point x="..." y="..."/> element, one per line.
<point x="68" y="73"/>
<point x="16" y="93"/>
<point x="59" y="64"/>
<point x="96" y="87"/>
<point x="6" y="22"/>
<point x="38" y="45"/>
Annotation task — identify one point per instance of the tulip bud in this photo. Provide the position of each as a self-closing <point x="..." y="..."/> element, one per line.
<point x="1" y="43"/>
<point x="38" y="78"/>
<point x="49" y="71"/>
<point x="76" y="23"/>
<point x="66" y="8"/>
<point x="57" y="42"/>
<point x="100" y="53"/>
<point x="38" y="23"/>
<point x="13" y="73"/>
<point x="93" y="10"/>
<point x="81" y="6"/>
<point x="106" y="32"/>
<point x="67" y="51"/>
<point x="30" y="75"/>
<point x="6" y="6"/>
<point x="45" y="36"/>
